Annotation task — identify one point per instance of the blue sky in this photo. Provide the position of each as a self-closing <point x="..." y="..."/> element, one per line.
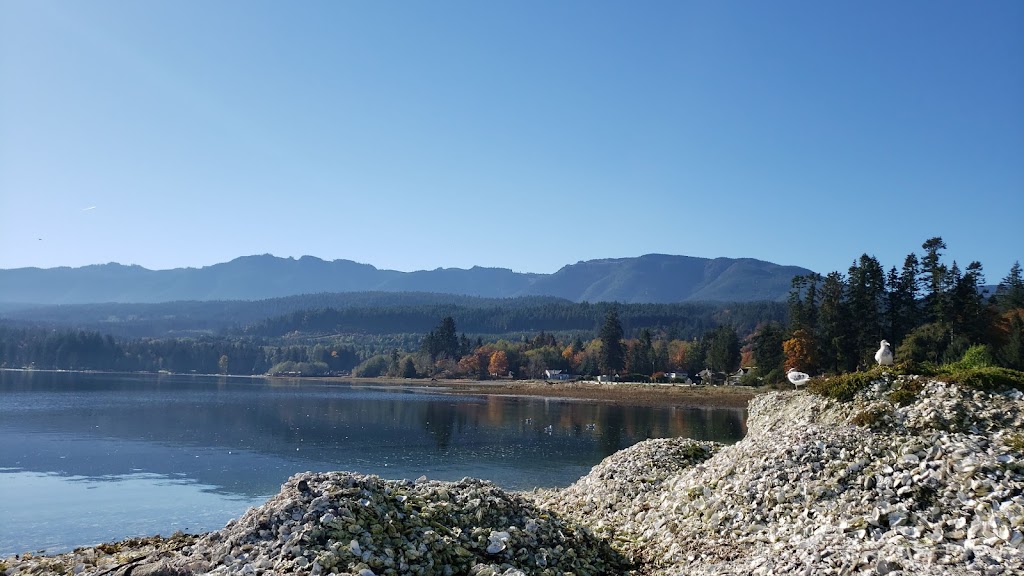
<point x="524" y="135"/>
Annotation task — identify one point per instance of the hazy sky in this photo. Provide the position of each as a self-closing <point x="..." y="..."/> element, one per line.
<point x="525" y="135"/>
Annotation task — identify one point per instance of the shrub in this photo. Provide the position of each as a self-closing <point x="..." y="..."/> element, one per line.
<point x="774" y="376"/>
<point x="925" y="343"/>
<point x="977" y="356"/>
<point x="372" y="367"/>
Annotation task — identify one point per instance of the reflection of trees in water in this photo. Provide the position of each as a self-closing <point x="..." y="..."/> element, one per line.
<point x="612" y="430"/>
<point x="609" y="428"/>
<point x="726" y="424"/>
<point x="440" y="421"/>
<point x="718" y="424"/>
<point x="279" y="418"/>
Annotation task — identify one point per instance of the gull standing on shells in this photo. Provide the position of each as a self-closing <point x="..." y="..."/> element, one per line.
<point x="884" y="354"/>
<point x="798" y="379"/>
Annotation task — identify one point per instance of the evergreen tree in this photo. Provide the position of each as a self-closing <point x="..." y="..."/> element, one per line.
<point x="837" y="335"/>
<point x="642" y="354"/>
<point x="803" y="303"/>
<point x="442" y="341"/>
<point x="661" y="357"/>
<point x="1010" y="293"/>
<point x="968" y="317"/>
<point x="902" y="309"/>
<point x="447" y="338"/>
<point x="933" y="277"/>
<point x="724" y="350"/>
<point x="1011" y="353"/>
<point x="612" y="360"/>
<point x="866" y="292"/>
<point x="768" y="356"/>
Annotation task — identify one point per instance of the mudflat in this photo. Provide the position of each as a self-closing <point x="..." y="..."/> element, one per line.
<point x="624" y="393"/>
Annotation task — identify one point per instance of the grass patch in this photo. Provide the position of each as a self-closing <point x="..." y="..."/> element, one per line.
<point x="1015" y="442"/>
<point x="983" y="377"/>
<point x="906" y="394"/>
<point x="843" y="386"/>
<point x="870" y="418"/>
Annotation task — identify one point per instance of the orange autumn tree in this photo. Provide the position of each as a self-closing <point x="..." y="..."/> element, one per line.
<point x="498" y="365"/>
<point x="677" y="353"/>
<point x="470" y="365"/>
<point x="800" y="352"/>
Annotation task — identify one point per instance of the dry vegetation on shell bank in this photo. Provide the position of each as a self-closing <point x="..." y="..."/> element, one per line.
<point x="933" y="485"/>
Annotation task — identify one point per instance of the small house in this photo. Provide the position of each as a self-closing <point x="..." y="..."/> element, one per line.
<point x="709" y="378"/>
<point x="739" y="374"/>
<point x="558" y="375"/>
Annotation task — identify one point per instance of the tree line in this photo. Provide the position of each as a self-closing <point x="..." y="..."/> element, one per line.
<point x="88" y="350"/>
<point x="928" y="310"/>
<point x="650" y="354"/>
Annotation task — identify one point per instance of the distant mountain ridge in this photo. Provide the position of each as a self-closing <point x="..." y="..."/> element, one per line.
<point x="653" y="278"/>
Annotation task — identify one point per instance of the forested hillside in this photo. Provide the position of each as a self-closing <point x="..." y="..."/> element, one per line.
<point x="677" y="320"/>
<point x="194" y="318"/>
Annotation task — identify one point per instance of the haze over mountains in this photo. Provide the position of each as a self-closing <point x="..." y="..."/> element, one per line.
<point x="653" y="278"/>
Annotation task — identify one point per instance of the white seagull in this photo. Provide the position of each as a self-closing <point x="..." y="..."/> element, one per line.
<point x="797" y="378"/>
<point x="884" y="354"/>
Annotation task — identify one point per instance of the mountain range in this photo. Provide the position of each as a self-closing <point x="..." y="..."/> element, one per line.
<point x="653" y="278"/>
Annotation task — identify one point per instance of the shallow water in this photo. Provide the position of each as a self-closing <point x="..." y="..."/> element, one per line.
<point x="89" y="458"/>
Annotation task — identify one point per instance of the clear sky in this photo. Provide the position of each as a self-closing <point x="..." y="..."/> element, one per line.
<point x="518" y="134"/>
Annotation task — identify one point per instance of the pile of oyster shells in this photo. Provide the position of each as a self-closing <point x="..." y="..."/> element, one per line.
<point x="912" y="476"/>
<point x="355" y="524"/>
<point x="933" y="487"/>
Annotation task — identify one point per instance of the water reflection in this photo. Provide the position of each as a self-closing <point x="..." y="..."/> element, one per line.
<point x="240" y="438"/>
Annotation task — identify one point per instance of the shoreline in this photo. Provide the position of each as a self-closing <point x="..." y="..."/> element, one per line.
<point x="623" y="393"/>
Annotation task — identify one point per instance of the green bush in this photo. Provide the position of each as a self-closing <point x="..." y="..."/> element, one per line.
<point x="956" y="349"/>
<point x="926" y="343"/>
<point x="977" y="356"/>
<point x="300" y="368"/>
<point x="372" y="367"/>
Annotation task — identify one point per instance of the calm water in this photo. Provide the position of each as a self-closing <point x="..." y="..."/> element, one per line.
<point x="89" y="458"/>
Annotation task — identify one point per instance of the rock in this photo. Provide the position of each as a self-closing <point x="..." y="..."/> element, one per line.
<point x="162" y="568"/>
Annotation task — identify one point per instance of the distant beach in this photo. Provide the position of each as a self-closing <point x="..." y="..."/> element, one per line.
<point x="624" y="393"/>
